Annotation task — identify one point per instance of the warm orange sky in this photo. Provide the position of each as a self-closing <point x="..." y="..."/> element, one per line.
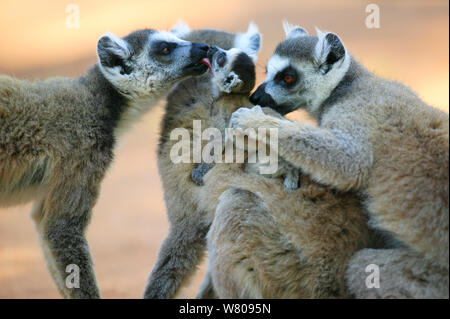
<point x="129" y="220"/>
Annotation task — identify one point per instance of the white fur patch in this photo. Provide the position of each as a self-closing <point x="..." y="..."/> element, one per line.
<point x="181" y="29"/>
<point x="167" y="36"/>
<point x="292" y="30"/>
<point x="250" y="41"/>
<point x="229" y="85"/>
<point x="322" y="48"/>
<point x="276" y="64"/>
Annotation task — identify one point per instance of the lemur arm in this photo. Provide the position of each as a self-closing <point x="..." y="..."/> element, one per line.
<point x="330" y="156"/>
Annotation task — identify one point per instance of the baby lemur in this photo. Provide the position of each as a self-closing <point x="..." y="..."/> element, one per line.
<point x="375" y="136"/>
<point x="321" y="229"/>
<point x="57" y="138"/>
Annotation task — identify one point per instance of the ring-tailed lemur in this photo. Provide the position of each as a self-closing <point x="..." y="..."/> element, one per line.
<point x="57" y="138"/>
<point x="376" y="137"/>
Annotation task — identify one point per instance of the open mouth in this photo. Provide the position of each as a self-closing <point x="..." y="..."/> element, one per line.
<point x="198" y="67"/>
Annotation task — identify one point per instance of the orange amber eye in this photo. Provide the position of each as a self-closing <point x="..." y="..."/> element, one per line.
<point x="288" y="79"/>
<point x="165" y="50"/>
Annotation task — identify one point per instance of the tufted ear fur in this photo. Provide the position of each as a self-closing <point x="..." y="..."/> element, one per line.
<point x="293" y="31"/>
<point x="329" y="50"/>
<point x="250" y="41"/>
<point x="181" y="29"/>
<point x="113" y="52"/>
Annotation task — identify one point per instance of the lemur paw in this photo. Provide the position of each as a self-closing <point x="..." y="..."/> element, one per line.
<point x="291" y="181"/>
<point x="199" y="172"/>
<point x="244" y="118"/>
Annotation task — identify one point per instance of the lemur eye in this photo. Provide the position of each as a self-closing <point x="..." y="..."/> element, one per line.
<point x="164" y="48"/>
<point x="221" y="59"/>
<point x="288" y="79"/>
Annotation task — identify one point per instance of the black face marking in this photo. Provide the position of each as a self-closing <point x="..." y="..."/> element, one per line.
<point x="260" y="97"/>
<point x="221" y="59"/>
<point x="281" y="77"/>
<point x="244" y="67"/>
<point x="163" y="48"/>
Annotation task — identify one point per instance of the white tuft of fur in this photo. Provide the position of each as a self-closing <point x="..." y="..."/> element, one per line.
<point x="276" y="64"/>
<point x="250" y="41"/>
<point x="181" y="29"/>
<point x="322" y="48"/>
<point x="292" y="30"/>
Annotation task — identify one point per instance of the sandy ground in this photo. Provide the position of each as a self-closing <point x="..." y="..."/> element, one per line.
<point x="129" y="221"/>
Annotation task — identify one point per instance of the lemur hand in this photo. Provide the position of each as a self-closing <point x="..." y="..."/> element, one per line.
<point x="245" y="118"/>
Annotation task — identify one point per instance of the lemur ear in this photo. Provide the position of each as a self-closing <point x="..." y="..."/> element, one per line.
<point x="113" y="52"/>
<point x="328" y="51"/>
<point x="249" y="42"/>
<point x="293" y="31"/>
<point x="181" y="29"/>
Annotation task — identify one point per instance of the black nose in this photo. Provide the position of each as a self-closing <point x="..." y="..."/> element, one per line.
<point x="260" y="97"/>
<point x="212" y="50"/>
<point x="201" y="46"/>
<point x="199" y="51"/>
<point x="256" y="97"/>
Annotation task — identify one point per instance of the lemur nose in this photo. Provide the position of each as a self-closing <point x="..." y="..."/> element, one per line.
<point x="255" y="98"/>
<point x="212" y="50"/>
<point x="203" y="47"/>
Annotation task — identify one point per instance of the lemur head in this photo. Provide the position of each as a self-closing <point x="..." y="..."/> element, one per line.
<point x="232" y="56"/>
<point x="303" y="71"/>
<point x="148" y="61"/>
<point x="234" y="70"/>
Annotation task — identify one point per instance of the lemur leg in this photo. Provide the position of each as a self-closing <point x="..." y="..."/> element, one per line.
<point x="331" y="157"/>
<point x="37" y="214"/>
<point x="242" y="233"/>
<point x="61" y="220"/>
<point x="178" y="257"/>
<point x="206" y="290"/>
<point x="402" y="274"/>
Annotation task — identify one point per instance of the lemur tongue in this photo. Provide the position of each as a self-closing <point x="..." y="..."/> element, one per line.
<point x="206" y="62"/>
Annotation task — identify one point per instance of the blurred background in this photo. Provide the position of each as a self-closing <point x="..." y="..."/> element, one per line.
<point x="40" y="39"/>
